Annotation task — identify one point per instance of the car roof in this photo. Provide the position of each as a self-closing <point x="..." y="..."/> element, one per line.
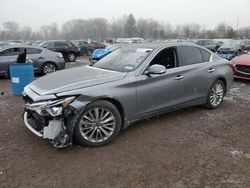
<point x="56" y="41"/>
<point x="157" y="45"/>
<point x="20" y="46"/>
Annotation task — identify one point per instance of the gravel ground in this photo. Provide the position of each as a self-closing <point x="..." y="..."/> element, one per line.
<point x="193" y="147"/>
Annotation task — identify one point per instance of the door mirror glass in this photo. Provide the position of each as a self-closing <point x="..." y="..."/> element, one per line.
<point x="156" y="69"/>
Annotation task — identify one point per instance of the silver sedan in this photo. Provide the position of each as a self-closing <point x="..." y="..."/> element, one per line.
<point x="94" y="103"/>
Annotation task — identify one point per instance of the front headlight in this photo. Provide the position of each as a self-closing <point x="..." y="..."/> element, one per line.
<point x="54" y="111"/>
<point x="54" y="108"/>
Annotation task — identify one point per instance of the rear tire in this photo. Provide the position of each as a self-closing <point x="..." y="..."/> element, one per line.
<point x="98" y="124"/>
<point x="48" y="68"/>
<point x="215" y="95"/>
<point x="71" y="56"/>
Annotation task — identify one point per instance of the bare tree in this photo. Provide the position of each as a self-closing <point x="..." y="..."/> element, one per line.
<point x="130" y="26"/>
<point x="12" y="29"/>
<point x="125" y="26"/>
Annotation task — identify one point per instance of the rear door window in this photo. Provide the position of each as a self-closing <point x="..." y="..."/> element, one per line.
<point x="190" y="55"/>
<point x="33" y="51"/>
<point x="61" y="44"/>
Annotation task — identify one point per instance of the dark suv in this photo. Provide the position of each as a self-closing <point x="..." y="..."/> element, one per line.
<point x="85" y="48"/>
<point x="69" y="50"/>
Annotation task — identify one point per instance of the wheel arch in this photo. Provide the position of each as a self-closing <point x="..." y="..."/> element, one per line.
<point x="117" y="104"/>
<point x="71" y="51"/>
<point x="224" y="82"/>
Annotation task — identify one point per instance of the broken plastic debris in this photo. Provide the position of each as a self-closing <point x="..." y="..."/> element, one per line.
<point x="236" y="153"/>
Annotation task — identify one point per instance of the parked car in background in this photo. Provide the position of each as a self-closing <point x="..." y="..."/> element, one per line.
<point x="94" y="103"/>
<point x="108" y="41"/>
<point x="231" y="49"/>
<point x="130" y="40"/>
<point x="4" y="43"/>
<point x="246" y="49"/>
<point x="69" y="50"/>
<point x="241" y="66"/>
<point x="15" y="42"/>
<point x="100" y="53"/>
<point x="209" y="44"/>
<point x="44" y="61"/>
<point x="96" y="45"/>
<point x="85" y="47"/>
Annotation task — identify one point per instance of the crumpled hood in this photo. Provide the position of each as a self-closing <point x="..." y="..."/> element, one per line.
<point x="73" y="78"/>
<point x="99" y="53"/>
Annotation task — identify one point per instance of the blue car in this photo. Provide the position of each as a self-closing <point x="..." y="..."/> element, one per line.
<point x="100" y="53"/>
<point x="230" y="49"/>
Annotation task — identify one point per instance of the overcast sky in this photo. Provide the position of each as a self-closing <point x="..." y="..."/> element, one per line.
<point x="208" y="13"/>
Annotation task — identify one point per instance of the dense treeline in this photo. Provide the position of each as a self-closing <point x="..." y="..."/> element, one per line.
<point x="126" y="26"/>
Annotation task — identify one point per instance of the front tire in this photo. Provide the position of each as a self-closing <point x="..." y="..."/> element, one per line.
<point x="216" y="94"/>
<point x="98" y="124"/>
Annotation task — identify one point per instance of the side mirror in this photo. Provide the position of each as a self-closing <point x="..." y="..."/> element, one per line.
<point x="156" y="69"/>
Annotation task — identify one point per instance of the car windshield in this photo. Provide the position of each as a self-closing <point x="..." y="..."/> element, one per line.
<point x="124" y="59"/>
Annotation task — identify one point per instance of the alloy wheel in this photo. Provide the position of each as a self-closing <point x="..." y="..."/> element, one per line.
<point x="97" y="124"/>
<point x="71" y="57"/>
<point x="49" y="68"/>
<point x="216" y="94"/>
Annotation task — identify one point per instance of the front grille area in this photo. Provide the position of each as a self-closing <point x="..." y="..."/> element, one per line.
<point x="243" y="68"/>
<point x="242" y="75"/>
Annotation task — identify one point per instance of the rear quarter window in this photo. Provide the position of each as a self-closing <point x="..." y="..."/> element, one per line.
<point x="205" y="55"/>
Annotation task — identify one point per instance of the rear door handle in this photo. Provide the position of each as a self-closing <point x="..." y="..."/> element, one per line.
<point x="179" y="77"/>
<point x="211" y="70"/>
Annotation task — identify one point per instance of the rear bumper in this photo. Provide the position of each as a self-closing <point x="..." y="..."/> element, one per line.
<point x="61" y="65"/>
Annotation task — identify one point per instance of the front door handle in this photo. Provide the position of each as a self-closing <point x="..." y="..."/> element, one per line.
<point x="179" y="77"/>
<point x="40" y="58"/>
<point x="211" y="70"/>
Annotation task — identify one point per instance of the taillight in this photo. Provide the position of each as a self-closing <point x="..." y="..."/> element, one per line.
<point x="59" y="55"/>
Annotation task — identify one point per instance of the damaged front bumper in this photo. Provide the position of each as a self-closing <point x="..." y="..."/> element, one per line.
<point x="49" y="120"/>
